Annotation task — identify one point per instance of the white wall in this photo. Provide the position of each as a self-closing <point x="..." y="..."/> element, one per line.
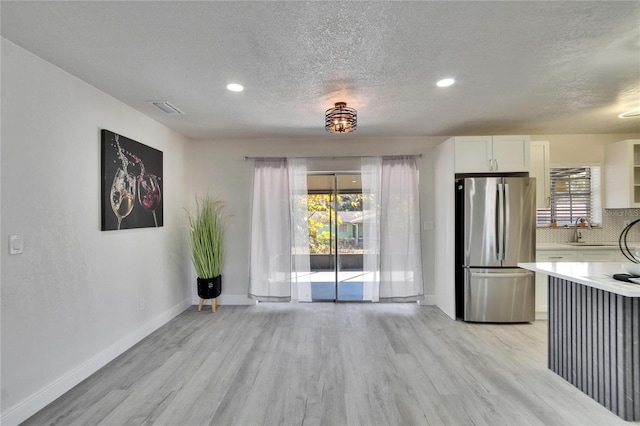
<point x="579" y="149"/>
<point x="218" y="167"/>
<point x="70" y="302"/>
<point x="444" y="257"/>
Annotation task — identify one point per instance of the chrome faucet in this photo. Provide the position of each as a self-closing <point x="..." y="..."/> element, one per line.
<point x="577" y="235"/>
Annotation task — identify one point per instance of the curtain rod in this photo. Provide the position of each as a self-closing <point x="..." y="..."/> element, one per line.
<point x="245" y="158"/>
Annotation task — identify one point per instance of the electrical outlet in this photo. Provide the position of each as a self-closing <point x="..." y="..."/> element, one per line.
<point x="16" y="244"/>
<point x="142" y="304"/>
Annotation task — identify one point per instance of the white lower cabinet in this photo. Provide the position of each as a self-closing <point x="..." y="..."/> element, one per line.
<point x="541" y="279"/>
<point x="597" y="255"/>
<point x="609" y="254"/>
<point x="556" y="256"/>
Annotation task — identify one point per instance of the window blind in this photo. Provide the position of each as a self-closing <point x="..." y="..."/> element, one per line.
<point x="575" y="193"/>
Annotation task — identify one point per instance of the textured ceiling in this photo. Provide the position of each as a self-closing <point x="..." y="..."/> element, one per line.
<point x="520" y="67"/>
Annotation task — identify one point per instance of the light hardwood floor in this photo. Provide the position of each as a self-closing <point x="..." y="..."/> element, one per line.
<point x="329" y="364"/>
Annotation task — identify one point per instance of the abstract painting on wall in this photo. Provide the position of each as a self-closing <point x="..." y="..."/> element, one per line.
<point x="131" y="184"/>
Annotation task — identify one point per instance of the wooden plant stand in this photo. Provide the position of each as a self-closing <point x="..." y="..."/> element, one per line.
<point x="214" y="304"/>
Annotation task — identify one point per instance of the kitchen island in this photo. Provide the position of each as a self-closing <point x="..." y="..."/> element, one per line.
<point x="594" y="332"/>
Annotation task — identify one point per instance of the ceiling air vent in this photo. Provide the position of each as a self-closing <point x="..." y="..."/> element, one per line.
<point x="166" y="107"/>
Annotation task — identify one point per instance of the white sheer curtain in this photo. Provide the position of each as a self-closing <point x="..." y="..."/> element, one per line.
<point x="392" y="262"/>
<point x="392" y="259"/>
<point x="371" y="169"/>
<point x="301" y="275"/>
<point x="400" y="247"/>
<point x="279" y="269"/>
<point x="270" y="270"/>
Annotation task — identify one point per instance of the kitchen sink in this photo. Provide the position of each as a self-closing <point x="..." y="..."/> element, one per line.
<point x="592" y="244"/>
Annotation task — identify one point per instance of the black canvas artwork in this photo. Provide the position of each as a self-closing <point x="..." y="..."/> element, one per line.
<point x="131" y="184"/>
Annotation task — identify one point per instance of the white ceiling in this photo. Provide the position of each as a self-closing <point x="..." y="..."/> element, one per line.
<point x="521" y="67"/>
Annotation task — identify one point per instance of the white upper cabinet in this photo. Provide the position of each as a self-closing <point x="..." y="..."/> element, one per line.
<point x="540" y="171"/>
<point x="622" y="174"/>
<point x="473" y="154"/>
<point x="491" y="154"/>
<point x="511" y="153"/>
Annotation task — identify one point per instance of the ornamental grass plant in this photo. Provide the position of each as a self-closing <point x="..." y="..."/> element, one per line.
<point x="207" y="229"/>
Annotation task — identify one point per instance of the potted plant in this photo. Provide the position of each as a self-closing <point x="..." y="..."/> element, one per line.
<point x="207" y="228"/>
<point x="554" y="222"/>
<point x="582" y="223"/>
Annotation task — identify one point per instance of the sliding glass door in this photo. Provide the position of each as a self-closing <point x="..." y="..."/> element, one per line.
<point x="349" y="237"/>
<point x="321" y="222"/>
<point x="335" y="236"/>
<point x="313" y="234"/>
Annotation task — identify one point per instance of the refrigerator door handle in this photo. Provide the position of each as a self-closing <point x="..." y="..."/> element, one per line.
<point x="505" y="231"/>
<point x="496" y="227"/>
<point x="500" y="224"/>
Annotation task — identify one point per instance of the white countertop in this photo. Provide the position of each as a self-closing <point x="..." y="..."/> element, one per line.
<point x="592" y="274"/>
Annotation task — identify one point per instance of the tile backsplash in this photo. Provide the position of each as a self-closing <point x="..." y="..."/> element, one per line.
<point x="613" y="222"/>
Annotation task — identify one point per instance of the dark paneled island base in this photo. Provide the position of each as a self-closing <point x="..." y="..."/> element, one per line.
<point x="594" y="343"/>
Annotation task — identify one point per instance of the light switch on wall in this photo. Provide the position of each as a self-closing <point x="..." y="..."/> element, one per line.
<point x="16" y="244"/>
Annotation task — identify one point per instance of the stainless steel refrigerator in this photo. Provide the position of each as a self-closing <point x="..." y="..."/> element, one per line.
<point x="495" y="229"/>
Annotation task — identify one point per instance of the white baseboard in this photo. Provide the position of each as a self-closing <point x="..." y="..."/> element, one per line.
<point x="235" y="299"/>
<point x="36" y="402"/>
<point x="230" y="299"/>
<point x="429" y="299"/>
<point x="541" y="312"/>
<point x="541" y="316"/>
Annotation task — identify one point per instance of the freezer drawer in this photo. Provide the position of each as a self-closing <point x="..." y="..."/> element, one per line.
<point x="499" y="295"/>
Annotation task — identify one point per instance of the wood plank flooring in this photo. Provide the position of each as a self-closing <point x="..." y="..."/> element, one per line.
<point x="329" y="364"/>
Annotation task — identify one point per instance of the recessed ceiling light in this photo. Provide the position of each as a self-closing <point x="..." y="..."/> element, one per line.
<point x="235" y="87"/>
<point x="445" y="82"/>
<point x="630" y="114"/>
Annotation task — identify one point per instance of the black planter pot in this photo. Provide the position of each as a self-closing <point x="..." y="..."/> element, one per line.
<point x="210" y="288"/>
